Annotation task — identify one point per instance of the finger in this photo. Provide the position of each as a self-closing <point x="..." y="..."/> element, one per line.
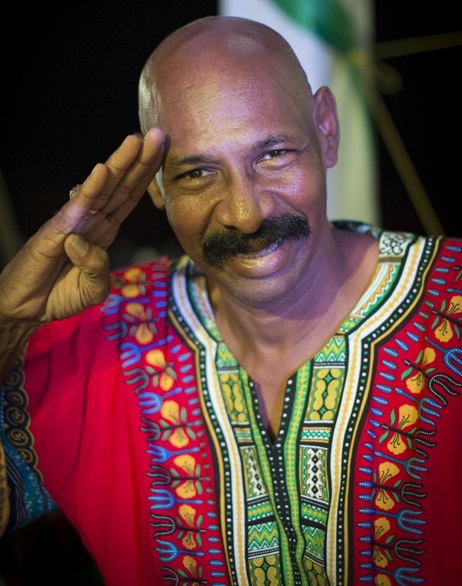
<point x="78" y="211"/>
<point x="119" y="209"/>
<point x="89" y="258"/>
<point x="94" y="193"/>
<point x="101" y="224"/>
<point x="132" y="182"/>
<point x="125" y="176"/>
<point x="134" y="154"/>
<point x="99" y="193"/>
<point x="130" y="170"/>
<point x="92" y="280"/>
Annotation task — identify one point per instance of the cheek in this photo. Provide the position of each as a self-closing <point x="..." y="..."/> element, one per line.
<point x="188" y="221"/>
<point x="305" y="189"/>
<point x="305" y="180"/>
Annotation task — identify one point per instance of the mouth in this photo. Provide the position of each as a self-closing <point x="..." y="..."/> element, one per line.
<point x="262" y="252"/>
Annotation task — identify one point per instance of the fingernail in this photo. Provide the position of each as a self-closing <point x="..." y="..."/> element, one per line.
<point x="80" y="246"/>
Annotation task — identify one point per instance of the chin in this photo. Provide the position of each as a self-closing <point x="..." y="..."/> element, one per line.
<point x="261" y="294"/>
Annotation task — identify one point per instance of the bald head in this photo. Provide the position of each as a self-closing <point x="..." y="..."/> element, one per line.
<point x="231" y="47"/>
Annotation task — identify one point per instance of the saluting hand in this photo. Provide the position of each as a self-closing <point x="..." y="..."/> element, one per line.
<point x="64" y="267"/>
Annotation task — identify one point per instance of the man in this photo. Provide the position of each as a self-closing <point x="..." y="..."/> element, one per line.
<point x="281" y="405"/>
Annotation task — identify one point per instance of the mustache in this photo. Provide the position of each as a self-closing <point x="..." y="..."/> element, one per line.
<point x="219" y="247"/>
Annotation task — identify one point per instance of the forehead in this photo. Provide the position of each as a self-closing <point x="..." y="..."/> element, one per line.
<point x="228" y="99"/>
<point x="223" y="118"/>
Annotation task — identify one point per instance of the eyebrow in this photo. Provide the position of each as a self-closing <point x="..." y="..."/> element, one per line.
<point x="179" y="162"/>
<point x="271" y="141"/>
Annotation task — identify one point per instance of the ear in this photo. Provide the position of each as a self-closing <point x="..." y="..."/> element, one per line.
<point x="156" y="194"/>
<point x="327" y="126"/>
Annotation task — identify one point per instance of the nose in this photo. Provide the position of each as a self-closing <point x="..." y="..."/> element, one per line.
<point x="245" y="203"/>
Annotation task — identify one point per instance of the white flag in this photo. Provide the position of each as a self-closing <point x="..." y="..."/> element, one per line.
<point x="330" y="38"/>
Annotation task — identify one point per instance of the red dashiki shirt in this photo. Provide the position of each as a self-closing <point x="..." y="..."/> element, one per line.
<point x="136" y="420"/>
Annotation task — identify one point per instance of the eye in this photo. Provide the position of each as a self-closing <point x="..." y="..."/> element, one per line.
<point x="274" y="154"/>
<point x="197" y="174"/>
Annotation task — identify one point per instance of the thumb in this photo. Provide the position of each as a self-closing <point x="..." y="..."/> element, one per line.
<point x="76" y="246"/>
<point x="93" y="263"/>
<point x="89" y="258"/>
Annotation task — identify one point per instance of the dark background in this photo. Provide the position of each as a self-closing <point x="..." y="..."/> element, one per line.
<point x="69" y="87"/>
<point x="70" y="96"/>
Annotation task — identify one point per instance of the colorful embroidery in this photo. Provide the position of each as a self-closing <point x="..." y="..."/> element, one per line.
<point x="20" y="479"/>
<point x="159" y="367"/>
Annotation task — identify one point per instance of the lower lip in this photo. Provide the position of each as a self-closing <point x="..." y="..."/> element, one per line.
<point x="262" y="264"/>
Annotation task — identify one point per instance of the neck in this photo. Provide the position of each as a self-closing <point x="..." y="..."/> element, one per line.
<point x="272" y="344"/>
<point x="291" y="333"/>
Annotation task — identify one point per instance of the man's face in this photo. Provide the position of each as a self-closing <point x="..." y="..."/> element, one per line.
<point x="243" y="181"/>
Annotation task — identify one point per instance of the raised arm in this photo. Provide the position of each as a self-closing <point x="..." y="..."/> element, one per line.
<point x="64" y="267"/>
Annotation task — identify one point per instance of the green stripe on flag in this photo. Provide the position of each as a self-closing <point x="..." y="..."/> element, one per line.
<point x="326" y="18"/>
